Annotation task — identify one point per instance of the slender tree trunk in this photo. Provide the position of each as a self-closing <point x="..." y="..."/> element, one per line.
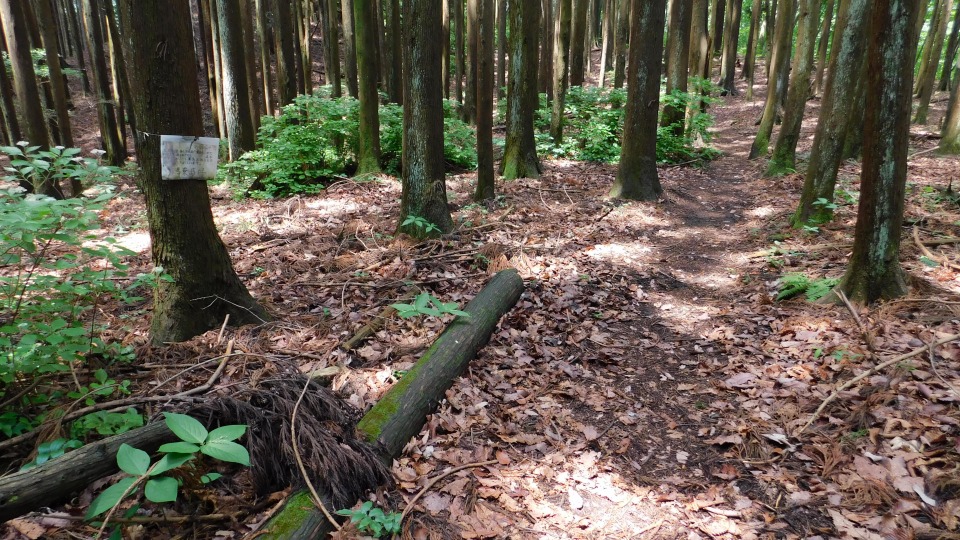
<point x="606" y="51"/>
<point x="250" y="58"/>
<point x="769" y="26"/>
<point x="469" y="111"/>
<point x="826" y="154"/>
<point x="928" y="73"/>
<point x="458" y="45"/>
<point x="221" y="114"/>
<point x="620" y="47"/>
<point x="750" y="59"/>
<point x="424" y="192"/>
<point x="445" y="47"/>
<point x="637" y="176"/>
<point x="51" y="44"/>
<point x="300" y="75"/>
<point x="949" y="62"/>
<point x="578" y="28"/>
<point x="106" y="107"/>
<point x="11" y="124"/>
<point x="396" y="50"/>
<point x="950" y="135"/>
<point x="332" y="36"/>
<point x="561" y="55"/>
<point x="700" y="39"/>
<point x="520" y="151"/>
<point x="121" y="88"/>
<point x="486" y="49"/>
<point x="728" y="67"/>
<point x="286" y="57"/>
<point x="823" y="47"/>
<point x="678" y="53"/>
<point x="349" y="46"/>
<point x="502" y="6"/>
<point x="265" y="41"/>
<point x="213" y="91"/>
<point x="365" y="25"/>
<point x="785" y="151"/>
<point x="719" y="11"/>
<point x="545" y="79"/>
<point x="236" y="100"/>
<point x="853" y="140"/>
<point x="79" y="44"/>
<point x="391" y="69"/>
<point x="25" y="83"/>
<point x="874" y="271"/>
<point x="782" y="41"/>
<point x="205" y="288"/>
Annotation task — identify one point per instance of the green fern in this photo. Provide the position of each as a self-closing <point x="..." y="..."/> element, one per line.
<point x="795" y="284"/>
<point x="820" y="287"/>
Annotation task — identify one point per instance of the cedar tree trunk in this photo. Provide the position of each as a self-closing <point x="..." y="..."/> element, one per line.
<point x="520" y="152"/>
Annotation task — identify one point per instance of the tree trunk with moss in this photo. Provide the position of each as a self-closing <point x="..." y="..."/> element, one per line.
<point x="731" y="39"/>
<point x="678" y="60"/>
<point x="369" y="142"/>
<point x="950" y="134"/>
<point x="578" y="29"/>
<point x="424" y="191"/>
<point x="486" y="51"/>
<point x="236" y="97"/>
<point x="785" y="152"/>
<point x="520" y="151"/>
<point x="926" y="80"/>
<point x="166" y="99"/>
<point x="561" y="56"/>
<point x="401" y="413"/>
<point x="817" y="196"/>
<point x="637" y="176"/>
<point x="782" y="41"/>
<point x="874" y="271"/>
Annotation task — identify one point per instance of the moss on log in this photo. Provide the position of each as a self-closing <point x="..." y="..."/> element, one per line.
<point x="401" y="413"/>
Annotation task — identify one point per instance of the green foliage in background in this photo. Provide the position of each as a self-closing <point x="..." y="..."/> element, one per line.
<point x="795" y="284"/>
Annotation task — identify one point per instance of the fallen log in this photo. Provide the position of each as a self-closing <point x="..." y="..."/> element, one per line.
<point x="401" y="413"/>
<point x="44" y="485"/>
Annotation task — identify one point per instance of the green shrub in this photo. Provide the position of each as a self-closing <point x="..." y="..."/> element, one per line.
<point x="315" y="139"/>
<point x="795" y="284"/>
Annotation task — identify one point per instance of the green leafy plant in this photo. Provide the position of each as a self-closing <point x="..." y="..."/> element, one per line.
<point x="35" y="166"/>
<point x="49" y="450"/>
<point x="107" y="423"/>
<point x="795" y="284"/>
<point x="421" y="223"/>
<point x="158" y="486"/>
<point x="427" y="304"/>
<point x="375" y="521"/>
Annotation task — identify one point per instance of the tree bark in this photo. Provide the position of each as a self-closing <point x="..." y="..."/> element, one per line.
<point x="750" y="59"/>
<point x="949" y="62"/>
<point x="783" y="39"/>
<point x="51" y="45"/>
<point x="486" y="49"/>
<point x="265" y="40"/>
<point x="469" y="110"/>
<point x="520" y="151"/>
<point x="286" y="57"/>
<point x="578" y="29"/>
<point x="236" y="99"/>
<point x="728" y="65"/>
<point x="55" y="480"/>
<point x="678" y="54"/>
<point x="250" y="59"/>
<point x="823" y="47"/>
<point x="821" y="176"/>
<point x="349" y="47"/>
<point x="445" y="47"/>
<point x="785" y="151"/>
<point x="561" y="56"/>
<point x="206" y="22"/>
<point x="545" y="78"/>
<point x="926" y="80"/>
<point x="950" y="135"/>
<point x="396" y="50"/>
<point x="184" y="239"/>
<point x="331" y="36"/>
<point x="719" y="11"/>
<point x="424" y="192"/>
<point x="106" y="107"/>
<point x="637" y="176"/>
<point x="402" y="412"/>
<point x="75" y="23"/>
<point x="621" y="45"/>
<point x="11" y="124"/>
<point x="458" y="45"/>
<point x="606" y="51"/>
<point x="502" y="6"/>
<point x="874" y="271"/>
<point x="369" y="144"/>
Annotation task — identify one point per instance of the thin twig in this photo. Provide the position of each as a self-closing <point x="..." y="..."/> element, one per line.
<point x="929" y="254"/>
<point x="869" y="372"/>
<point x="438" y="478"/>
<point x="933" y="364"/>
<point x="867" y="337"/>
<point x="145" y="519"/>
<point x="223" y="328"/>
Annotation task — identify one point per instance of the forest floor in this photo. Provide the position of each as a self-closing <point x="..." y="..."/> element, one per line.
<point x="647" y="385"/>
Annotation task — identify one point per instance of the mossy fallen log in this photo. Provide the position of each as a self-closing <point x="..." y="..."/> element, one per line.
<point x="401" y="413"/>
<point x="44" y="485"/>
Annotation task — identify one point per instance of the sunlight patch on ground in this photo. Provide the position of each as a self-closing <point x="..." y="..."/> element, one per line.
<point x="135" y="241"/>
<point x="628" y="253"/>
<point x="681" y="316"/>
<point x="761" y="212"/>
<point x="331" y="207"/>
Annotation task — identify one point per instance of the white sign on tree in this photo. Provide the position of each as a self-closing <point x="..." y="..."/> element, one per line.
<point x="188" y="158"/>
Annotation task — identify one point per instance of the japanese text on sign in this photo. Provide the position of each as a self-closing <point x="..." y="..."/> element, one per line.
<point x="188" y="158"/>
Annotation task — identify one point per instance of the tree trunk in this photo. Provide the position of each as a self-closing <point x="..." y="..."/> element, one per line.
<point x="25" y="82"/>
<point x="458" y="45"/>
<point x="606" y="51"/>
<point x="502" y="6"/>
<point x="206" y="22"/>
<point x="750" y="59"/>
<point x="106" y="107"/>
<point x="700" y="39"/>
<point x="402" y="412"/>
<point x="236" y="100"/>
<point x="424" y="192"/>
<point x="926" y="80"/>
<point x="121" y="88"/>
<point x="265" y="40"/>
<point x="369" y="144"/>
<point x="205" y="288"/>
<point x="769" y="27"/>
<point x="719" y="11"/>
<point x="51" y="44"/>
<point x="396" y="50"/>
<point x="838" y="94"/>
<point x="728" y="66"/>
<point x="78" y="45"/>
<point x="874" y="271"/>
<point x="783" y="38"/>
<point x="949" y="62"/>
<point x="823" y="47"/>
<point x="349" y="47"/>
<point x="578" y="28"/>
<point x="950" y="135"/>
<point x="520" y="151"/>
<point x="469" y="111"/>
<point x="304" y="77"/>
<point x="545" y="78"/>
<point x="620" y="47"/>
<point x="445" y="47"/>
<point x="254" y="102"/>
<point x="55" y="480"/>
<point x="785" y="151"/>
<point x="678" y="54"/>
<point x="286" y="57"/>
<point x="332" y="47"/>
<point x="486" y="49"/>
<point x="561" y="56"/>
<point x="221" y="114"/>
<point x="637" y="176"/>
<point x="11" y="124"/>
